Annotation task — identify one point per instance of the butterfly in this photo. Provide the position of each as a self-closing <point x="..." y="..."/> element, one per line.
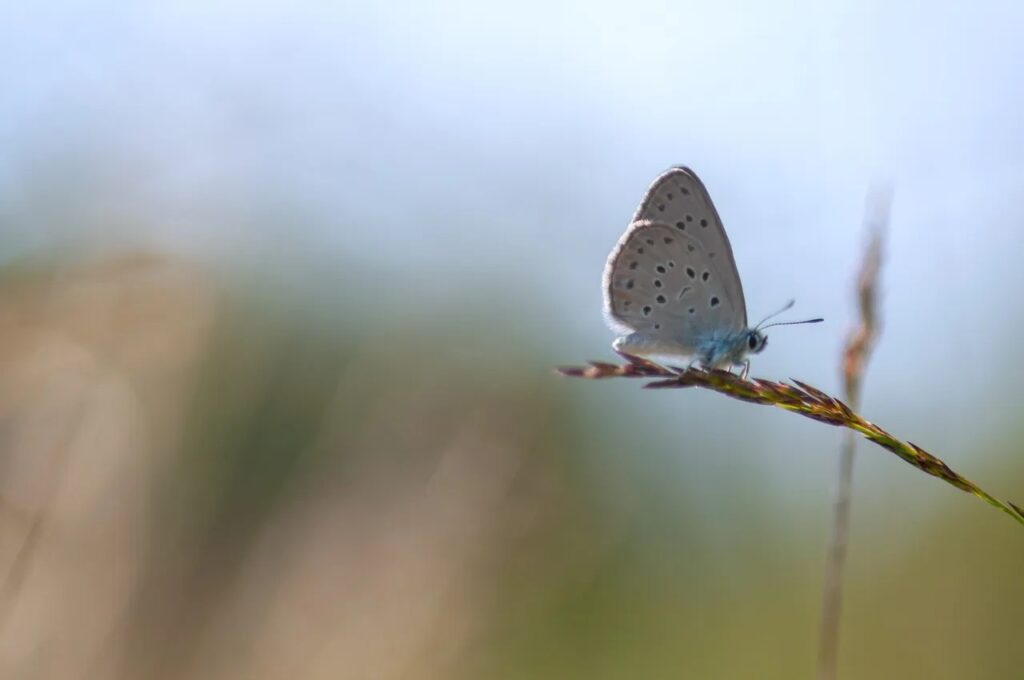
<point x="671" y="287"/>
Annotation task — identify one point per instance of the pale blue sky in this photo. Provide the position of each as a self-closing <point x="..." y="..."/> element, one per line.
<point x="465" y="146"/>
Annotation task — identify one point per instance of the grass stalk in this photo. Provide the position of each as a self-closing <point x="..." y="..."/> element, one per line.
<point x="856" y="353"/>
<point x="795" y="397"/>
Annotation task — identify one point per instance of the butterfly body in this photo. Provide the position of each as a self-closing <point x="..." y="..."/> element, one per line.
<point x="716" y="349"/>
<point x="671" y="288"/>
<point x="725" y="349"/>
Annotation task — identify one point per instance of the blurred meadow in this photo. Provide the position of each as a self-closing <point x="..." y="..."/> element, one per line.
<point x="282" y="286"/>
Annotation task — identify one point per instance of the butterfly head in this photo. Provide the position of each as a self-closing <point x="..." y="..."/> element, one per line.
<point x="756" y="341"/>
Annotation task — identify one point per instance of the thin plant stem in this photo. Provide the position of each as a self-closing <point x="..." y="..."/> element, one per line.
<point x="856" y="353"/>
<point x="832" y="596"/>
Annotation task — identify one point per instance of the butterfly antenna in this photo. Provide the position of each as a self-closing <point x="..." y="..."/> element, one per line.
<point x="789" y="304"/>
<point x="791" y="323"/>
<point x="776" y="313"/>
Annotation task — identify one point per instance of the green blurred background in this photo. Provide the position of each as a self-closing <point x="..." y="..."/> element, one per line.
<point x="282" y="287"/>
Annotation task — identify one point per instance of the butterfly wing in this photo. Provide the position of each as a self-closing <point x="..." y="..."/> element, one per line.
<point x="678" y="198"/>
<point x="659" y="282"/>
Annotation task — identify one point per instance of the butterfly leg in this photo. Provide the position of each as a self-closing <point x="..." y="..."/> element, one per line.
<point x="746" y="369"/>
<point x="681" y="370"/>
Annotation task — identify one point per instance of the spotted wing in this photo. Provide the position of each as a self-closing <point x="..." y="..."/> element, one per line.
<point x="678" y="198"/>
<point x="660" y="281"/>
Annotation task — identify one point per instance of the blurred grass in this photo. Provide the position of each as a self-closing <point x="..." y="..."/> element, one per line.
<point x="238" y="480"/>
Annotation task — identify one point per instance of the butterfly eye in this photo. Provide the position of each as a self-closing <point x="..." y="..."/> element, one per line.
<point x="752" y="341"/>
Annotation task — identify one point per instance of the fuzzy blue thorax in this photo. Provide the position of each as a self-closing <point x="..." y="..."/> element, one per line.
<point x="723" y="349"/>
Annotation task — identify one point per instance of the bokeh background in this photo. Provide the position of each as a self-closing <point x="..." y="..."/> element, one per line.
<point x="282" y="284"/>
